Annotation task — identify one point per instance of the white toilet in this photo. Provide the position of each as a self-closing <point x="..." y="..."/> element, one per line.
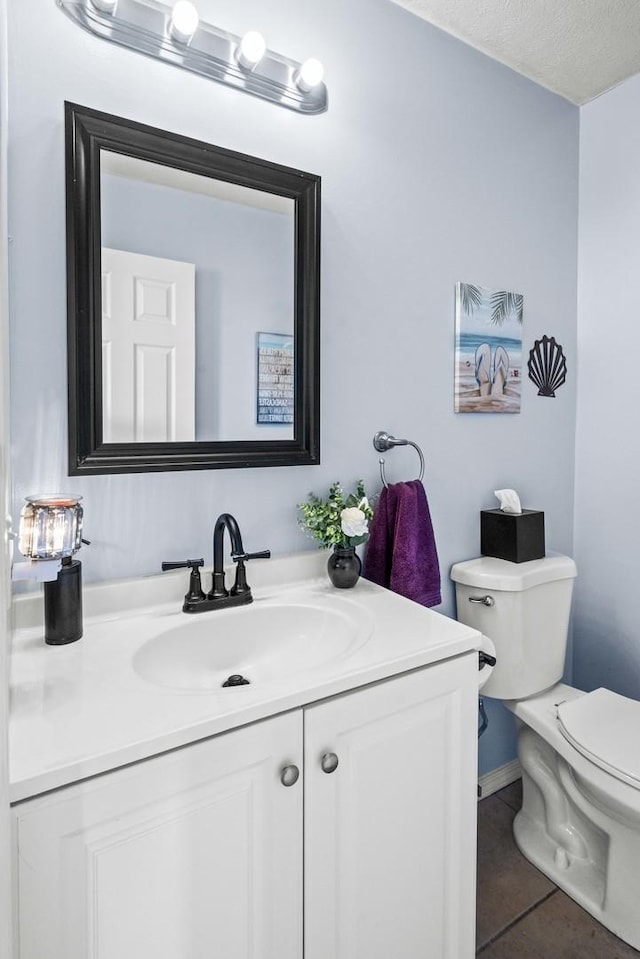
<point x="580" y="752"/>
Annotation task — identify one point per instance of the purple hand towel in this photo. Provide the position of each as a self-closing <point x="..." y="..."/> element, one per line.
<point x="401" y="551"/>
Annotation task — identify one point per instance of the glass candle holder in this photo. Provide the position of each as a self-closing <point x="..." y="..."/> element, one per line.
<point x="50" y="527"/>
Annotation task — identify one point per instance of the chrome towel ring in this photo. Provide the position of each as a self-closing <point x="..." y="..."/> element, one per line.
<point x="384" y="441"/>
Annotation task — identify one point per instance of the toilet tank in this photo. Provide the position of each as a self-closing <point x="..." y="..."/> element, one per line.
<point x="524" y="608"/>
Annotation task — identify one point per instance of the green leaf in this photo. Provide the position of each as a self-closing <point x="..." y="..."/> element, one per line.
<point x="470" y="297"/>
<point x="356" y="540"/>
<point x="504" y="305"/>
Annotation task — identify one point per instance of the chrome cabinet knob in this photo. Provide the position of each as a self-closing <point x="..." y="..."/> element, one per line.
<point x="289" y="775"/>
<point x="329" y="763"/>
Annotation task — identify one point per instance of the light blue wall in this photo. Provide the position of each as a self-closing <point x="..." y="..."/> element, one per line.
<point x="438" y="165"/>
<point x="607" y="528"/>
<point x="244" y="284"/>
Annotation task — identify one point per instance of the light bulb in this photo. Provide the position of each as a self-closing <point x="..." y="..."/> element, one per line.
<point x="309" y="75"/>
<point x="251" y="50"/>
<point x="105" y="6"/>
<point x="184" y="21"/>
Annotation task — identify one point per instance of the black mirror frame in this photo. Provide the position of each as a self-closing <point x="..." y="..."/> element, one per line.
<point x="87" y="133"/>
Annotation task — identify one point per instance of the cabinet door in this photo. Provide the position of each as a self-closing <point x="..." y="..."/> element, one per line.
<point x="390" y="834"/>
<point x="194" y="854"/>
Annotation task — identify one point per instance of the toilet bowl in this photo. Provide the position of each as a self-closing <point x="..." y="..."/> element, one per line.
<point x="579" y="752"/>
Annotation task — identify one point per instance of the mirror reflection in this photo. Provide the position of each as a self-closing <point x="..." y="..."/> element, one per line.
<point x="197" y="306"/>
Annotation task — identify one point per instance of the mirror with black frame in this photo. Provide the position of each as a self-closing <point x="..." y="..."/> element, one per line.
<point x="193" y="303"/>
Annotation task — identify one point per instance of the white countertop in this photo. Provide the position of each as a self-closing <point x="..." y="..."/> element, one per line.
<point x="82" y="709"/>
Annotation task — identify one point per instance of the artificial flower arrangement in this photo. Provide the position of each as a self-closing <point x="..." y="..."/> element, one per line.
<point x="342" y="520"/>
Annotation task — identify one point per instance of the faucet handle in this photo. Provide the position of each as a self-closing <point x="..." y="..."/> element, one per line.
<point x="243" y="557"/>
<point x="194" y="564"/>
<point x="241" y="587"/>
<point x="195" y="592"/>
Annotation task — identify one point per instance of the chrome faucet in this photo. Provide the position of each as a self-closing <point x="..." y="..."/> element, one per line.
<point x="220" y="597"/>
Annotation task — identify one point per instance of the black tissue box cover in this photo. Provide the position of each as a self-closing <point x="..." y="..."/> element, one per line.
<point x="516" y="537"/>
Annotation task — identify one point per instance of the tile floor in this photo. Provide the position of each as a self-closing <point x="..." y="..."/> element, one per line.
<point x="521" y="914"/>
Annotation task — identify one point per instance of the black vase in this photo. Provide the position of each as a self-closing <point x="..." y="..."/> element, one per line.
<point x="344" y="567"/>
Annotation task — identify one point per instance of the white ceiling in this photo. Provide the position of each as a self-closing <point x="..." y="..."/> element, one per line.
<point x="577" y="48"/>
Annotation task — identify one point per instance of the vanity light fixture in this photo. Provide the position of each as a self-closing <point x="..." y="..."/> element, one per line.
<point x="176" y="35"/>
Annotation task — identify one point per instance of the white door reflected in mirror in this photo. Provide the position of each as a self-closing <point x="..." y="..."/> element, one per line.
<point x="148" y="348"/>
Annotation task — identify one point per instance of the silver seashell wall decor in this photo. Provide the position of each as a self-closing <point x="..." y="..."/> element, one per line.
<point x="547" y="366"/>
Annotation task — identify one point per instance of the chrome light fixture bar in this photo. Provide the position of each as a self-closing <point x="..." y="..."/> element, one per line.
<point x="157" y="30"/>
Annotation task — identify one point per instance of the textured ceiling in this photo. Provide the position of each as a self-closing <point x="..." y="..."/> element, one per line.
<point x="577" y="48"/>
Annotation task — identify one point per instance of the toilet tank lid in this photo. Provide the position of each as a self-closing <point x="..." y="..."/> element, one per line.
<point x="490" y="573"/>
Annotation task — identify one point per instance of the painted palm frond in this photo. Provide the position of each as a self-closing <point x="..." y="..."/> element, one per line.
<point x="470" y="297"/>
<point x="505" y="305"/>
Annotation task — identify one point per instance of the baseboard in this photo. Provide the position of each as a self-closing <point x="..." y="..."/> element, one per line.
<point x="498" y="778"/>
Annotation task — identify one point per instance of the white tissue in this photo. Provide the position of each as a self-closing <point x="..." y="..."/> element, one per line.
<point x="509" y="500"/>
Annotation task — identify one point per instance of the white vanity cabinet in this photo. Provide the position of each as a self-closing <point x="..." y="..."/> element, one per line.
<point x="391" y="835"/>
<point x="196" y="853"/>
<point x="199" y="852"/>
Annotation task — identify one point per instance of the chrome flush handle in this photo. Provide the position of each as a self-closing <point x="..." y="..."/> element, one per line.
<point x="482" y="600"/>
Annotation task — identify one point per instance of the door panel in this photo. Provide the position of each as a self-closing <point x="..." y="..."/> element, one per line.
<point x="390" y="835"/>
<point x="193" y="855"/>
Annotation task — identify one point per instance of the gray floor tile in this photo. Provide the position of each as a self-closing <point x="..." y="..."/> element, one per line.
<point x="512" y="795"/>
<point x="508" y="885"/>
<point x="558" y="929"/>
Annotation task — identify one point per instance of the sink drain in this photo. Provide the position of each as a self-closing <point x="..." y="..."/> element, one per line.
<point x="236" y="680"/>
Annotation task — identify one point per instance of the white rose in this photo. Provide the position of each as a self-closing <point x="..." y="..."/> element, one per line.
<point x="353" y="522"/>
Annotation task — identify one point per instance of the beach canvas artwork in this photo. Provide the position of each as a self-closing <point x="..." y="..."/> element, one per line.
<point x="488" y="355"/>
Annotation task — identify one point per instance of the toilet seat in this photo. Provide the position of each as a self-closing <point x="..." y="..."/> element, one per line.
<point x="605" y="728"/>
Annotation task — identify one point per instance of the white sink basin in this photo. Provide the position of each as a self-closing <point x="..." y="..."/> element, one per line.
<point x="261" y="642"/>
